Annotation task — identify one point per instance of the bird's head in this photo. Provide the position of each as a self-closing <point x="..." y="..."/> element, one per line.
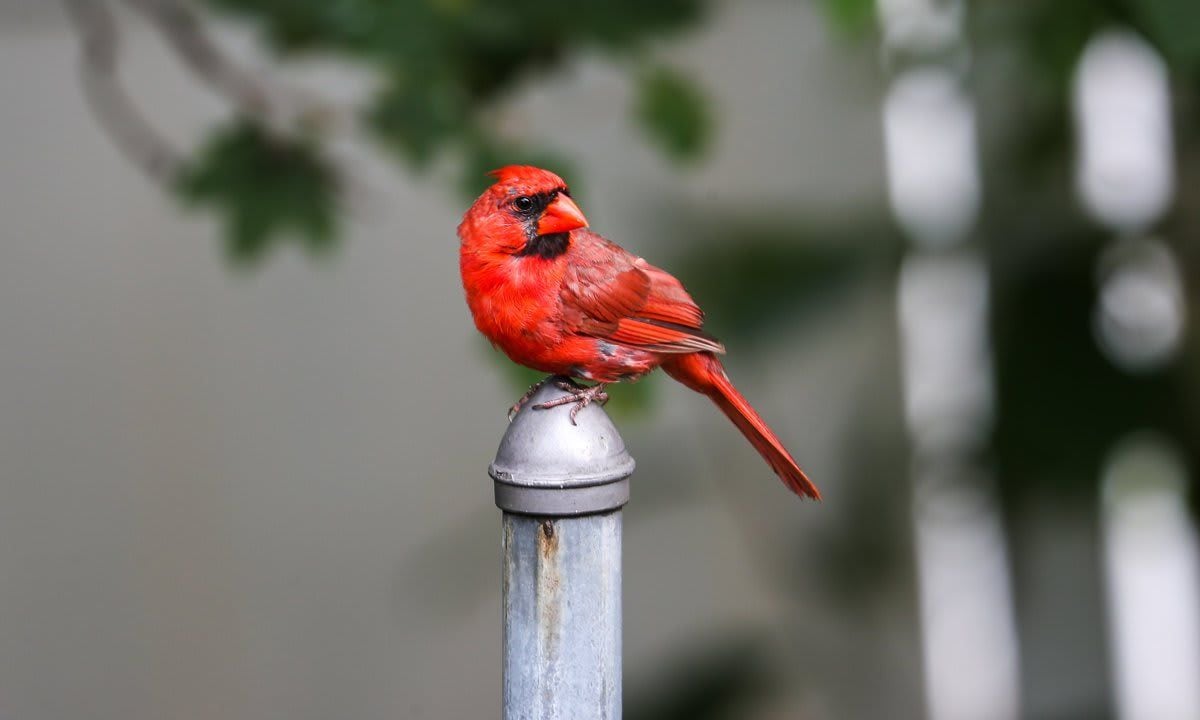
<point x="526" y="210"/>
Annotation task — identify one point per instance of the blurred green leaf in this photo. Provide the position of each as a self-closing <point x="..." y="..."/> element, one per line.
<point x="673" y="113"/>
<point x="625" y="24"/>
<point x="364" y="28"/>
<point x="851" y="16"/>
<point x="417" y="117"/>
<point x="266" y="188"/>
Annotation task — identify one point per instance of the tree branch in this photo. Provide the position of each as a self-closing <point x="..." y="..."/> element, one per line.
<point x="116" y="113"/>
<point x="185" y="33"/>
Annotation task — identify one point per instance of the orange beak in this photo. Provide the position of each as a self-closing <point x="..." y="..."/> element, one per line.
<point x="560" y="216"/>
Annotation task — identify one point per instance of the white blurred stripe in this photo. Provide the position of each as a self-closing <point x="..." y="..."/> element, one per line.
<point x="946" y="357"/>
<point x="1152" y="563"/>
<point x="968" y="627"/>
<point x="967" y="623"/>
<point x="929" y="144"/>
<point x="1123" y="114"/>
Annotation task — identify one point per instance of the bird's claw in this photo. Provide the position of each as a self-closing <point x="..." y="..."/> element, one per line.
<point x="516" y="408"/>
<point x="581" y="397"/>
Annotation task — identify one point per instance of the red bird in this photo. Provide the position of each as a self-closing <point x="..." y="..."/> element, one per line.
<point x="561" y="299"/>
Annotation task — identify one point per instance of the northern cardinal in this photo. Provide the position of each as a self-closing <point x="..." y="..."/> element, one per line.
<point x="561" y="299"/>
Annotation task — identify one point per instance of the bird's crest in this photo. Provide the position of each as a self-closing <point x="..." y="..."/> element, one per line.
<point x="527" y="173"/>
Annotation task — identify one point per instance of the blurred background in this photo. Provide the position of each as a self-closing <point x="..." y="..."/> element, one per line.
<point x="245" y="417"/>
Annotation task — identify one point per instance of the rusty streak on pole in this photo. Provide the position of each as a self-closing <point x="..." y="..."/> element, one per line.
<point x="561" y="487"/>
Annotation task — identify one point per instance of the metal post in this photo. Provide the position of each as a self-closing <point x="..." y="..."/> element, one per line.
<point x="561" y="487"/>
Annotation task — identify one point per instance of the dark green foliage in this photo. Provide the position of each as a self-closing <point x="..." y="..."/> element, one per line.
<point x="443" y="62"/>
<point x="415" y="117"/>
<point x="505" y="36"/>
<point x="673" y="113"/>
<point x="1051" y="34"/>
<point x="1062" y="404"/>
<point x="267" y="188"/>
<point x="1175" y="26"/>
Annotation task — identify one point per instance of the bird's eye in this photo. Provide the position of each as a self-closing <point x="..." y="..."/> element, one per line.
<point x="523" y="203"/>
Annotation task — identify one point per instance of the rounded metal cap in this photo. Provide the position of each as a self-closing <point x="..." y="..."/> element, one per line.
<point x="547" y="466"/>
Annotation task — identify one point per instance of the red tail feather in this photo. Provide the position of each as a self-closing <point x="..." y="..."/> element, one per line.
<point x="703" y="373"/>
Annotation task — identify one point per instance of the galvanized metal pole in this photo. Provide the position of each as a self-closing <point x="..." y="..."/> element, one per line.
<point x="561" y="487"/>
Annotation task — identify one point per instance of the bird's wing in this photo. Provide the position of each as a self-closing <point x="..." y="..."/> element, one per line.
<point x="611" y="294"/>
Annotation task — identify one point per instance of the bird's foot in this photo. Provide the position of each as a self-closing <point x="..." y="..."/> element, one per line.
<point x="516" y="408"/>
<point x="581" y="397"/>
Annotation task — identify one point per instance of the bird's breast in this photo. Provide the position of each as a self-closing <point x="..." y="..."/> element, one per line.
<point x="516" y="301"/>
